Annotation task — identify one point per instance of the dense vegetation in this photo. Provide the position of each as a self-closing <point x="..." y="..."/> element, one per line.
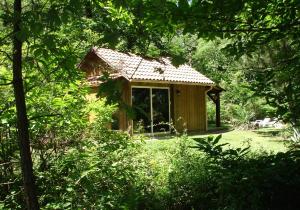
<point x="52" y="157"/>
<point x="111" y="170"/>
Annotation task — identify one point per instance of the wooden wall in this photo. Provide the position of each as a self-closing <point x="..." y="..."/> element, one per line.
<point x="190" y="107"/>
<point x="125" y="123"/>
<point x="90" y="97"/>
<point x="94" y="66"/>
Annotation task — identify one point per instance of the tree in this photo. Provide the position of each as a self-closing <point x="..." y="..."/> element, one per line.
<point x="255" y="28"/>
<point x="273" y="73"/>
<point x="22" y="119"/>
<point x="40" y="30"/>
<point x="26" y="29"/>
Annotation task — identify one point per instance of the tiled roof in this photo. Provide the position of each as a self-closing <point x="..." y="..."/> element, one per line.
<point x="137" y="68"/>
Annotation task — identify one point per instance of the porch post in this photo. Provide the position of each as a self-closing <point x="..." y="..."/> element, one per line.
<point x="218" y="109"/>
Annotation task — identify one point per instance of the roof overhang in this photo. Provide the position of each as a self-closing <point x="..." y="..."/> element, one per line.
<point x="171" y="82"/>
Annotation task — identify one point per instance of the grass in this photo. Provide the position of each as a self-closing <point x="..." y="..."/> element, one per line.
<point x="266" y="139"/>
<point x="161" y="151"/>
<point x="261" y="140"/>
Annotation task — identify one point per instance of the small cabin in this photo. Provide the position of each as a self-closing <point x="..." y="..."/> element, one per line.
<point x="160" y="94"/>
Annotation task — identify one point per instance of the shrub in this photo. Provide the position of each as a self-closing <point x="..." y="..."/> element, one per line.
<point x="224" y="178"/>
<point x="190" y="182"/>
<point x="98" y="173"/>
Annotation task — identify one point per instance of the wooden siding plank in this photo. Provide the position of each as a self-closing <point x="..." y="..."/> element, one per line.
<point x="190" y="106"/>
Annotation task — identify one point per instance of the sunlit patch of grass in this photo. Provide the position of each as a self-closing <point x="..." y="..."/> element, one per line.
<point x="267" y="140"/>
<point x="257" y="141"/>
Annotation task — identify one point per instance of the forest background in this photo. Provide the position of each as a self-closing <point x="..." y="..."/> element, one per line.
<point x="52" y="157"/>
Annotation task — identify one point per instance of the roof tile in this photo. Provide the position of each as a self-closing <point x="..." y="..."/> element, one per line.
<point x="136" y="68"/>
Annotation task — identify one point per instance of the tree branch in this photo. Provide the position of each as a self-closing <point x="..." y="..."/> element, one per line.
<point x="5" y="37"/>
<point x="3" y="84"/>
<point x="7" y="55"/>
<point x="46" y="115"/>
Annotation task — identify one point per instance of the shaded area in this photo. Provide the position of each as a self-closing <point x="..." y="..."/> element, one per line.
<point x="268" y="132"/>
<point x="214" y="95"/>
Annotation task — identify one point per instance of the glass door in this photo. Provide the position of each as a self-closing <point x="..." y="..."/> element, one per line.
<point x="160" y="110"/>
<point x="142" y="109"/>
<point x="152" y="114"/>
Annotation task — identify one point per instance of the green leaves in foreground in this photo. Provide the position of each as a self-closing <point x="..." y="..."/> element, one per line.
<point x="212" y="147"/>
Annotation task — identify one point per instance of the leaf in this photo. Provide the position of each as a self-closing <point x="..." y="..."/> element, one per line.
<point x="217" y="139"/>
<point x="70" y="189"/>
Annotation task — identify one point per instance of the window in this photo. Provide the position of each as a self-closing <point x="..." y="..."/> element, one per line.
<point x="151" y="106"/>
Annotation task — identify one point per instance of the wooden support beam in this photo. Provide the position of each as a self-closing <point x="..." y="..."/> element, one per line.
<point x="212" y="96"/>
<point x="218" y="110"/>
<point x="215" y="97"/>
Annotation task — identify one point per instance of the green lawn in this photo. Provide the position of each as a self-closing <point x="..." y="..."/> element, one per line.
<point x="260" y="140"/>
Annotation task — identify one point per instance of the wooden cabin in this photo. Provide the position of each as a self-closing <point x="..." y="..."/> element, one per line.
<point x="158" y="92"/>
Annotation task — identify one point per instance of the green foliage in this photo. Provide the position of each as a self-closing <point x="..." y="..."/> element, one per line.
<point x="190" y="183"/>
<point x="93" y="167"/>
<point x="211" y="60"/>
<point x="274" y="74"/>
<point x="53" y="130"/>
<point x="99" y="174"/>
<point x="82" y="165"/>
<point x="109" y="170"/>
<point x="213" y="149"/>
<point x="239" y="103"/>
<point x="227" y="178"/>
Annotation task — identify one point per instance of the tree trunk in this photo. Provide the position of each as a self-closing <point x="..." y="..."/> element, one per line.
<point x="22" y="120"/>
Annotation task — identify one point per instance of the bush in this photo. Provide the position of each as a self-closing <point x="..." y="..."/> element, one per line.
<point x="99" y="173"/>
<point x="224" y="178"/>
<point x="190" y="183"/>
